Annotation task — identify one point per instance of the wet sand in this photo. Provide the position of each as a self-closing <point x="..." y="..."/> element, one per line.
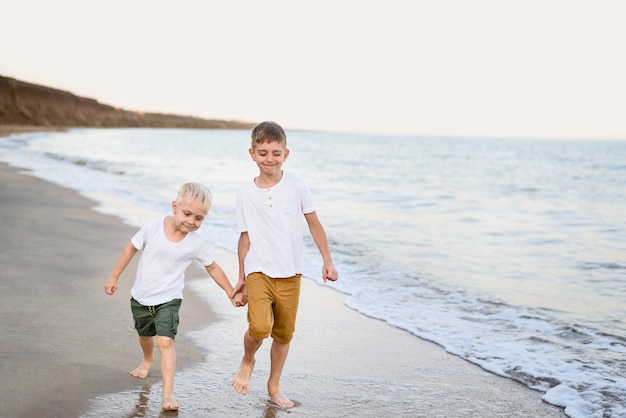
<point x="67" y="346"/>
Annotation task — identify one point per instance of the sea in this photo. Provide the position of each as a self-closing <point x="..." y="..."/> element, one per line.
<point x="509" y="253"/>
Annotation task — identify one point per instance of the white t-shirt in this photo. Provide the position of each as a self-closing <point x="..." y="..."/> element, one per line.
<point x="161" y="270"/>
<point x="273" y="218"/>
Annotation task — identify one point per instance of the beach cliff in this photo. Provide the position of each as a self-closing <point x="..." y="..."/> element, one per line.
<point x="26" y="104"/>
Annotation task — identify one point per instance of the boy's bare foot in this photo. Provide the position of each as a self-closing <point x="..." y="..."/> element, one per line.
<point x="169" y="403"/>
<point x="142" y="371"/>
<point x="279" y="398"/>
<point x="241" y="381"/>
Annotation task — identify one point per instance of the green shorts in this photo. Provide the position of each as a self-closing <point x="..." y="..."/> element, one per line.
<point x="272" y="306"/>
<point x="159" y="320"/>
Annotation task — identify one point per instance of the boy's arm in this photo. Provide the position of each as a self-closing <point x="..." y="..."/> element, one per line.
<point x="110" y="286"/>
<point x="319" y="236"/>
<point x="218" y="275"/>
<point x="243" y="246"/>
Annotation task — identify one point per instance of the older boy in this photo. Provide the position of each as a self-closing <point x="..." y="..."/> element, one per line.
<point x="269" y="218"/>
<point x="169" y="245"/>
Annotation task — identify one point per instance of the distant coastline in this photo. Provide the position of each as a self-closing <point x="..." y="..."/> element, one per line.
<point x="24" y="105"/>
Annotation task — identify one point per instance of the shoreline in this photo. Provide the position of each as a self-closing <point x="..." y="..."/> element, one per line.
<point x="58" y="252"/>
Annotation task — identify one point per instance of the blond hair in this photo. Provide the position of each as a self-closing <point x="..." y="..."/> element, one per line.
<point x="268" y="132"/>
<point x="195" y="193"/>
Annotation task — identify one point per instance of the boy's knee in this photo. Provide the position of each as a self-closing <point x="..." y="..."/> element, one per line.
<point x="283" y="339"/>
<point x="259" y="332"/>
<point x="164" y="343"/>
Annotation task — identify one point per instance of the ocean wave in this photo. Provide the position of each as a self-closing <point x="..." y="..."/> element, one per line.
<point x="601" y="266"/>
<point x="526" y="345"/>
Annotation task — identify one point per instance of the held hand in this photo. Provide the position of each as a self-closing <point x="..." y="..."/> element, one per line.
<point x="239" y="287"/>
<point x="110" y="286"/>
<point x="329" y="272"/>
<point x="240" y="299"/>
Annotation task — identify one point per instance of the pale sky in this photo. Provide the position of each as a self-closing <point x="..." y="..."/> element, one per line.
<point x="527" y="68"/>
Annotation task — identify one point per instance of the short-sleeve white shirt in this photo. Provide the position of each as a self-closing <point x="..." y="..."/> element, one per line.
<point x="161" y="270"/>
<point x="273" y="219"/>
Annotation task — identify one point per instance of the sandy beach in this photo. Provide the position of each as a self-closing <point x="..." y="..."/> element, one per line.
<point x="66" y="342"/>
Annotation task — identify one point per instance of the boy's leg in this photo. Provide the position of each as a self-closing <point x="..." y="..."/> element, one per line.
<point x="168" y="368"/>
<point x="260" y="319"/>
<point x="241" y="381"/>
<point x="147" y="346"/>
<point x="145" y="328"/>
<point x="166" y="321"/>
<point x="285" y="311"/>
<point x="278" y="356"/>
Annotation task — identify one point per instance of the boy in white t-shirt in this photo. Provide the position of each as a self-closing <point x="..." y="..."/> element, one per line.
<point x="169" y="245"/>
<point x="269" y="218"/>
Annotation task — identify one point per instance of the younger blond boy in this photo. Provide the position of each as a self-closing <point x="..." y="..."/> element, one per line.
<point x="169" y="245"/>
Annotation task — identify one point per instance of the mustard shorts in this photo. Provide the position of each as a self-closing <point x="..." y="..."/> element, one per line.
<point x="272" y="306"/>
